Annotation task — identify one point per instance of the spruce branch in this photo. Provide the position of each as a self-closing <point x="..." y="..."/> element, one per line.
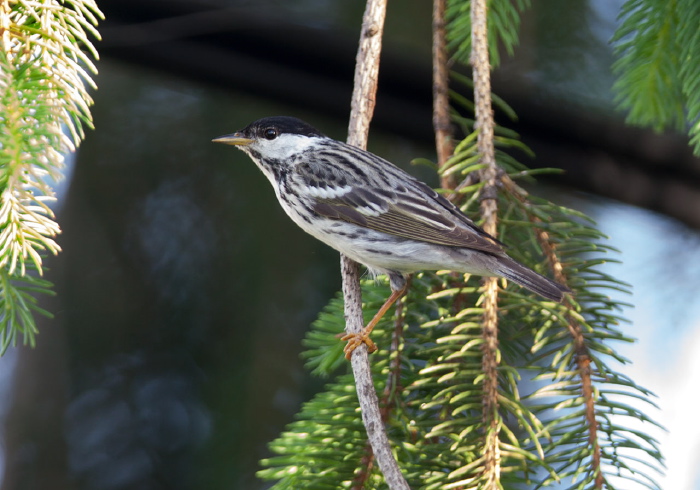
<point x="362" y="110"/>
<point x="648" y="84"/>
<point x="503" y="22"/>
<point x="44" y="103"/>
<point x="442" y="122"/>
<point x="689" y="41"/>
<point x="657" y="46"/>
<point x="460" y="420"/>
<point x="435" y="421"/>
<point x="581" y="351"/>
<point x="484" y="124"/>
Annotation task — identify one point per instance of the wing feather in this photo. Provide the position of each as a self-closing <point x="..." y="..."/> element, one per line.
<point x="411" y="210"/>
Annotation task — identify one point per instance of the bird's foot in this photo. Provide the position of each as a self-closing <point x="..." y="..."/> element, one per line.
<point x="354" y="340"/>
<point x="357" y="339"/>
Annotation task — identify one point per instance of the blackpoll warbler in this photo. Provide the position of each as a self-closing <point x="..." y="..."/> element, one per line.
<point x="373" y="212"/>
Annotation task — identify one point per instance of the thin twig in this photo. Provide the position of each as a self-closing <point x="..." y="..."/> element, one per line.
<point x="444" y="143"/>
<point x="393" y="382"/>
<point x="444" y="138"/>
<point x="362" y="109"/>
<point x="582" y="354"/>
<point x="489" y="210"/>
<point x="388" y="399"/>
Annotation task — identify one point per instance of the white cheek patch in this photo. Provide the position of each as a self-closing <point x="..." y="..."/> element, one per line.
<point x="285" y="146"/>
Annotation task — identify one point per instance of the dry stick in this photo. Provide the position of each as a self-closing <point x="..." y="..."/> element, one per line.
<point x="387" y="402"/>
<point x="444" y="143"/>
<point x="362" y="109"/>
<point x="583" y="358"/>
<point x="489" y="210"/>
<point x="393" y="382"/>
<point x="444" y="139"/>
<point x="445" y="147"/>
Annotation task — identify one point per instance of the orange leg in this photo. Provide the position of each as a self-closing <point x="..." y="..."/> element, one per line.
<point x="356" y="339"/>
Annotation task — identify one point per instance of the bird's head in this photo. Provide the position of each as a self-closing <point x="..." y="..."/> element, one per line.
<point x="273" y="139"/>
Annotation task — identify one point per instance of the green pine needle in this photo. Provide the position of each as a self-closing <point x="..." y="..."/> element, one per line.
<point x="657" y="46"/>
<point x="503" y="27"/>
<point x="435" y="420"/>
<point x="44" y="104"/>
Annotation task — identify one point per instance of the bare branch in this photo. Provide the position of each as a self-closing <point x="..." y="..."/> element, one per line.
<point x="489" y="210"/>
<point x="362" y="109"/>
<point x="444" y="143"/>
<point x="366" y="73"/>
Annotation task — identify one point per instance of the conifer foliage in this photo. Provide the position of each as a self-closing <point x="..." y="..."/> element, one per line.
<point x="44" y="104"/>
<point x="429" y="377"/>
<point x="561" y="414"/>
<point x="658" y="76"/>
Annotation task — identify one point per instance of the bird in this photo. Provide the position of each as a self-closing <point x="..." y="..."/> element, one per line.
<point x="374" y="212"/>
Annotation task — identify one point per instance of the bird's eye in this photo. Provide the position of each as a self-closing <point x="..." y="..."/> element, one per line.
<point x="270" y="133"/>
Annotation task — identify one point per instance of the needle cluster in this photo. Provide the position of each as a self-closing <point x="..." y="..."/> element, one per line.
<point x="44" y="103"/>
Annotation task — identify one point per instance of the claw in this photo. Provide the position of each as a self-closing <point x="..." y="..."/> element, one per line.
<point x="354" y="340"/>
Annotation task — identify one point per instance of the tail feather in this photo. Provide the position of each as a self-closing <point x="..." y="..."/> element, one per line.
<point x="530" y="279"/>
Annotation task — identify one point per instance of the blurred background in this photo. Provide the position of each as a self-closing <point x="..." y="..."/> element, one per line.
<point x="184" y="291"/>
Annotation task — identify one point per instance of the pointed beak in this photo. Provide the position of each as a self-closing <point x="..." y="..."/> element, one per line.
<point x="236" y="139"/>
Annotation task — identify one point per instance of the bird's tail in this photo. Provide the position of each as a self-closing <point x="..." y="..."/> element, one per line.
<point x="530" y="279"/>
